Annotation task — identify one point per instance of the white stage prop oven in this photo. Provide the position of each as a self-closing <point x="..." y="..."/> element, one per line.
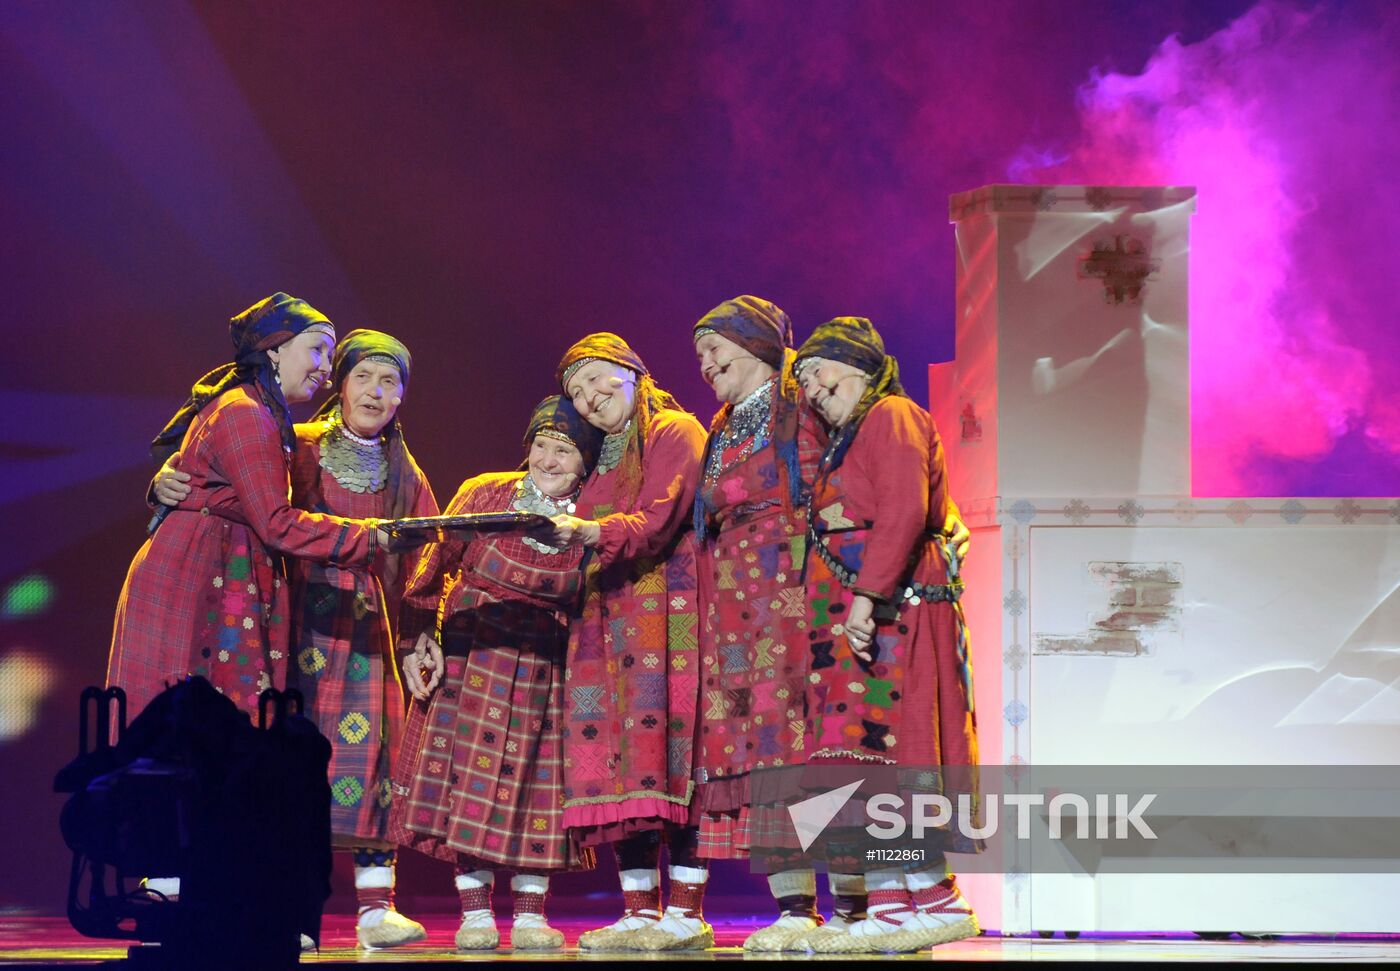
<point x="1115" y="619"/>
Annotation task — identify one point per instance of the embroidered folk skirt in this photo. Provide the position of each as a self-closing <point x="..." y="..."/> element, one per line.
<point x="633" y="672"/>
<point x="343" y="665"/>
<point x="753" y="693"/>
<point x="480" y="768"/>
<point x="913" y="707"/>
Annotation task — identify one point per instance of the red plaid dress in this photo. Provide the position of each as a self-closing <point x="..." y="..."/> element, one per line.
<point x="204" y="594"/>
<point x="343" y="651"/>
<point x="479" y="773"/>
<point x="633" y="669"/>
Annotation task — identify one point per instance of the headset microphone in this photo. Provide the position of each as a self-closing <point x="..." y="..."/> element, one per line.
<point x="724" y="368"/>
<point x="829" y="388"/>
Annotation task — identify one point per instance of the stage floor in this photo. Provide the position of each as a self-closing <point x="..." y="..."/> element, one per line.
<point x="51" y="942"/>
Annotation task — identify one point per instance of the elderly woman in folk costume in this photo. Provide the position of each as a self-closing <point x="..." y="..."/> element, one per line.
<point x="479" y="777"/>
<point x="633" y="664"/>
<point x="351" y="460"/>
<point x="891" y="675"/>
<point x="762" y="448"/>
<point x="205" y="594"/>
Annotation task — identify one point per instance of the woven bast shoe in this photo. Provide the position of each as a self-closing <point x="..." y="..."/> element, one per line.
<point x="544" y="938"/>
<point x="841" y="942"/>
<point x="866" y="936"/>
<point x="809" y="940"/>
<point x="926" y="930"/>
<point x="615" y="938"/>
<point x="605" y="939"/>
<point x="941" y="915"/>
<point x="477" y="937"/>
<point x="839" y="924"/>
<point x="778" y="935"/>
<point x="657" y="939"/>
<point x="916" y="935"/>
<point x="641" y="909"/>
<point x="393" y="930"/>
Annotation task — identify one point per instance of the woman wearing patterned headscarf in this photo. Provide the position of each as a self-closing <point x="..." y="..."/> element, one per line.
<point x="351" y="460"/>
<point x="205" y="594"/>
<point x="480" y="772"/>
<point x="891" y="677"/>
<point x="633" y="672"/>
<point x="749" y="510"/>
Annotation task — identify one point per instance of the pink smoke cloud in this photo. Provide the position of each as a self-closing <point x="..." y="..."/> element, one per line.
<point x="1286" y="122"/>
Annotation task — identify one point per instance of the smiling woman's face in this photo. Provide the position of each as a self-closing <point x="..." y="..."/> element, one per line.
<point x="370" y="396"/>
<point x="303" y="363"/>
<point x="833" y="388"/>
<point x="729" y="369"/>
<point x="555" y="465"/>
<point x="604" y="393"/>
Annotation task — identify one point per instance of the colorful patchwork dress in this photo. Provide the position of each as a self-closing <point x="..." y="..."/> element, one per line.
<point x="479" y="773"/>
<point x="205" y="595"/>
<point x="754" y="630"/>
<point x="876" y="524"/>
<point x="633" y="667"/>
<point x="342" y="649"/>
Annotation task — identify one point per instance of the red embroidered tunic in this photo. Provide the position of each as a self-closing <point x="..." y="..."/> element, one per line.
<point x="479" y="774"/>
<point x="633" y="668"/>
<point x="880" y="516"/>
<point x="343" y="652"/>
<point x="203" y="594"/>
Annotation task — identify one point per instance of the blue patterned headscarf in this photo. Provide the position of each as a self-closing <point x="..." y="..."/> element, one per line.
<point x="853" y="341"/>
<point x="758" y="326"/>
<point x="556" y="416"/>
<point x="268" y="323"/>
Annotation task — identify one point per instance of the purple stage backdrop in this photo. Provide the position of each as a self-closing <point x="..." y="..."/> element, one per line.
<point x="489" y="181"/>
